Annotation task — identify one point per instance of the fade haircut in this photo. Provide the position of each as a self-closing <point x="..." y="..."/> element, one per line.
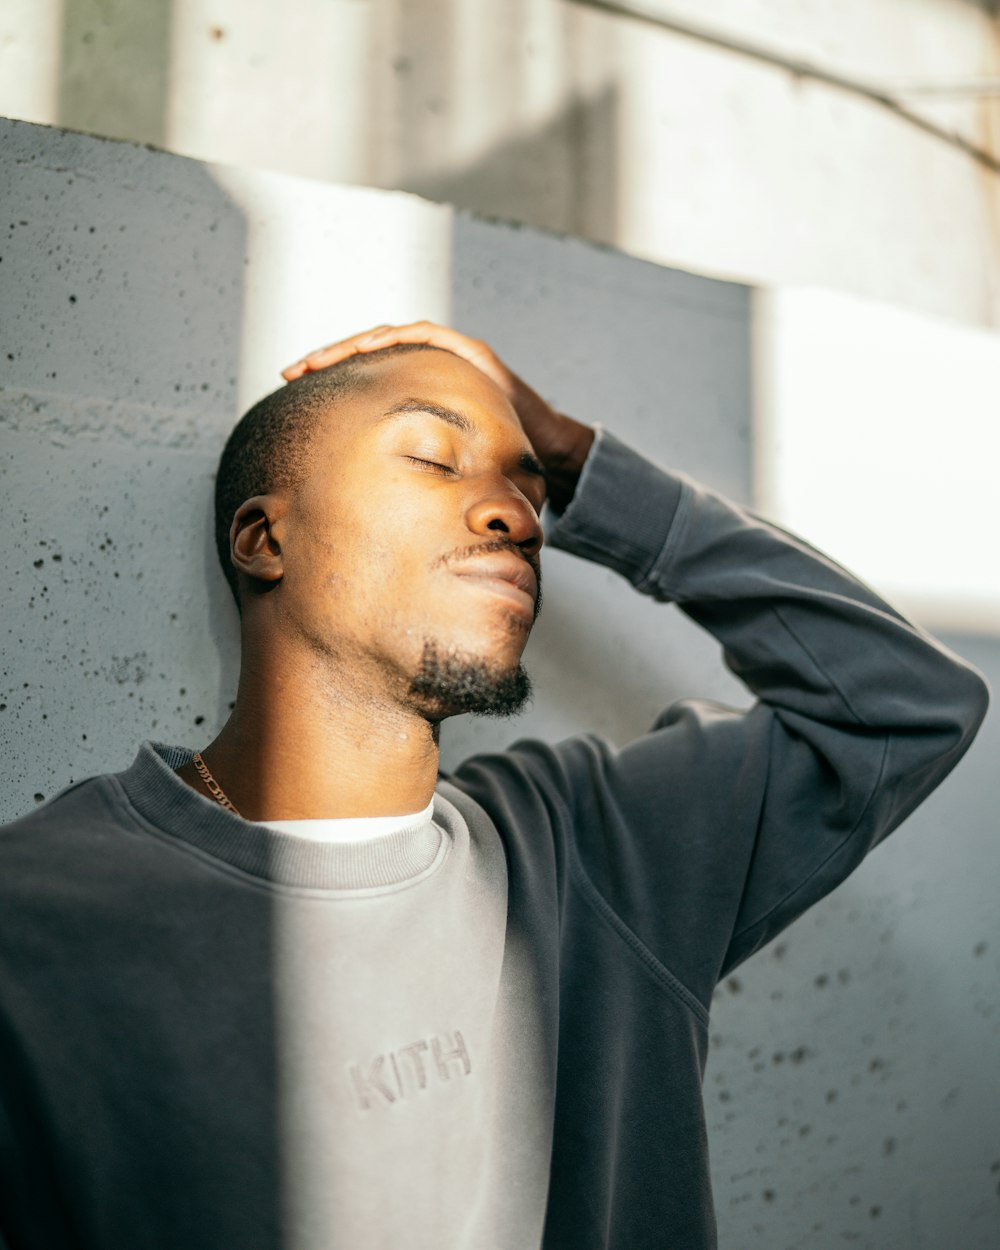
<point x="269" y="447"/>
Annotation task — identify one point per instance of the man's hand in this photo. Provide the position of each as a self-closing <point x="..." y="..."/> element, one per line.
<point x="560" y="443"/>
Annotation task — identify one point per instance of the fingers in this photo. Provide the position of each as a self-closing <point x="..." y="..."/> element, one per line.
<point x="428" y="332"/>
<point x="323" y="357"/>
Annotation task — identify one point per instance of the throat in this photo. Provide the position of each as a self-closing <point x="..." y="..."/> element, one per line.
<point x="319" y="769"/>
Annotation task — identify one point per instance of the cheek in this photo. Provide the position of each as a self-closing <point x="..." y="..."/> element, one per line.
<point x="370" y="545"/>
<point x="365" y="565"/>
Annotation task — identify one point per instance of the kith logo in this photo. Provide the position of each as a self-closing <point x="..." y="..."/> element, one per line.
<point x="402" y="1073"/>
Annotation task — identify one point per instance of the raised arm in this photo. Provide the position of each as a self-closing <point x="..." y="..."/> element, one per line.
<point x="721" y="826"/>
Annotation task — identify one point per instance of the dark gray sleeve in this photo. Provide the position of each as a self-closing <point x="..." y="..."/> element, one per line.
<point x="711" y="833"/>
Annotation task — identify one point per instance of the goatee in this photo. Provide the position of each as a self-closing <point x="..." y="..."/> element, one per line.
<point x="453" y="683"/>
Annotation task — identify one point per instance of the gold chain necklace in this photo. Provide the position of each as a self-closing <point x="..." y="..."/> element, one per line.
<point x="214" y="789"/>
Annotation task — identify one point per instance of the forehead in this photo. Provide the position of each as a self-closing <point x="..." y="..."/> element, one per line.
<point x="434" y="376"/>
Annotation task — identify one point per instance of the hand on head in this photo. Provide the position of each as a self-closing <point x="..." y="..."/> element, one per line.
<point x="560" y="442"/>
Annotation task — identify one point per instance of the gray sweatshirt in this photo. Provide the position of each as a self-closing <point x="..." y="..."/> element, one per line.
<point x="486" y="1032"/>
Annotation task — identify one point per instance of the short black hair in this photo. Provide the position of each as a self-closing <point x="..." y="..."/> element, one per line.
<point x="268" y="448"/>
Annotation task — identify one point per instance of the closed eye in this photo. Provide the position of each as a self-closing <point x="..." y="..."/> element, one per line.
<point x="432" y="464"/>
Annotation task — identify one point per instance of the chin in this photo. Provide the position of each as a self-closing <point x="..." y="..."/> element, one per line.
<point x="450" y="682"/>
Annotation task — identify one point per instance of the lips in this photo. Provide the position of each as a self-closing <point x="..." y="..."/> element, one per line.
<point x="502" y="568"/>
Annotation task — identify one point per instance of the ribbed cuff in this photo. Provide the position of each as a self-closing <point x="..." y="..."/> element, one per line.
<point x="622" y="511"/>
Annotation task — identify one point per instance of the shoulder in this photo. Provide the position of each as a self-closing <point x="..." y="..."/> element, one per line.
<point x="69" y="845"/>
<point x="59" y="843"/>
<point x="86" y="802"/>
<point x="95" y="807"/>
<point x="695" y="745"/>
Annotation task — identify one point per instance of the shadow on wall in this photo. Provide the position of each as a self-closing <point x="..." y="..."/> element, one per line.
<point x="124" y="290"/>
<point x="661" y="358"/>
<point x="489" y="112"/>
<point x="114" y="68"/>
<point x="577" y="194"/>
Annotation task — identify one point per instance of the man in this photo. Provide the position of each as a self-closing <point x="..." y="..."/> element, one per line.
<point x="296" y="991"/>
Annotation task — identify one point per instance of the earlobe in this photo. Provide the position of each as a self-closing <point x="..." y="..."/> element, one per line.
<point x="253" y="544"/>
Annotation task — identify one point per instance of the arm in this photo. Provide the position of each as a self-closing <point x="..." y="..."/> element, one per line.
<point x="740" y="820"/>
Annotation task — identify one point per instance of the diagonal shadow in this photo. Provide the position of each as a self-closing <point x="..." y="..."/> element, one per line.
<point x="577" y="194"/>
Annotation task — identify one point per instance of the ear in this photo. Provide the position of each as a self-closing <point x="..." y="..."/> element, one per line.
<point x="254" y="546"/>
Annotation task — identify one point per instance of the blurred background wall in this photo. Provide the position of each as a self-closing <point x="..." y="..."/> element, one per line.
<point x="576" y="117"/>
<point x="834" y="165"/>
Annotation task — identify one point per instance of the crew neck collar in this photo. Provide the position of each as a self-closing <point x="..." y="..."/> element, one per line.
<point x="162" y="799"/>
<point x="351" y="828"/>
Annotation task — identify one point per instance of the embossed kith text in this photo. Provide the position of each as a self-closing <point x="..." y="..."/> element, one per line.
<point x="403" y="1073"/>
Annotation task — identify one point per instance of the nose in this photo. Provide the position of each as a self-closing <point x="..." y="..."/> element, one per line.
<point x="504" y="510"/>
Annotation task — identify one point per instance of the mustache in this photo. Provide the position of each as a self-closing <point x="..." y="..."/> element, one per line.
<point x="486" y="548"/>
<point x="490" y="546"/>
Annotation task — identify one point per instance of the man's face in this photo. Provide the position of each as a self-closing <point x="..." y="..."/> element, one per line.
<point x="410" y="551"/>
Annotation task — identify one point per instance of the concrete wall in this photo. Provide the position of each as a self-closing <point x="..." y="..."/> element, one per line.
<point x="851" y="1092"/>
<point x="555" y="114"/>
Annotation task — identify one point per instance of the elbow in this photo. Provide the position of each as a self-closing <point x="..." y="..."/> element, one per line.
<point x="964" y="706"/>
<point x="916" y="763"/>
<point x="977" y="704"/>
<point x="947" y="714"/>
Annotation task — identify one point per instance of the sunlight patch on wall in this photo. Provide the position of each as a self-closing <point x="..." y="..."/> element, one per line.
<point x="877" y="439"/>
<point x="30" y="59"/>
<point x="325" y="261"/>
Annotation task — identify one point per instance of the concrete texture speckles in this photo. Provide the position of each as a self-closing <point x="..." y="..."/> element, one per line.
<point x="86" y="247"/>
<point x="119" y="604"/>
<point x="123" y="277"/>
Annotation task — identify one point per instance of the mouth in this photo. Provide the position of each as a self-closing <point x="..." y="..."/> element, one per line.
<point x="508" y="577"/>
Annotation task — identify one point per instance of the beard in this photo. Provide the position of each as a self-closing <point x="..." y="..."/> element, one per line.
<point x="448" y="684"/>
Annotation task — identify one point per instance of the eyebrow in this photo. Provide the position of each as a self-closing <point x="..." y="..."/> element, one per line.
<point x="528" y="462"/>
<point x="451" y="415"/>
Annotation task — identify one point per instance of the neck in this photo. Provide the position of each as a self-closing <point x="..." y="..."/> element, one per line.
<point x="301" y="745"/>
